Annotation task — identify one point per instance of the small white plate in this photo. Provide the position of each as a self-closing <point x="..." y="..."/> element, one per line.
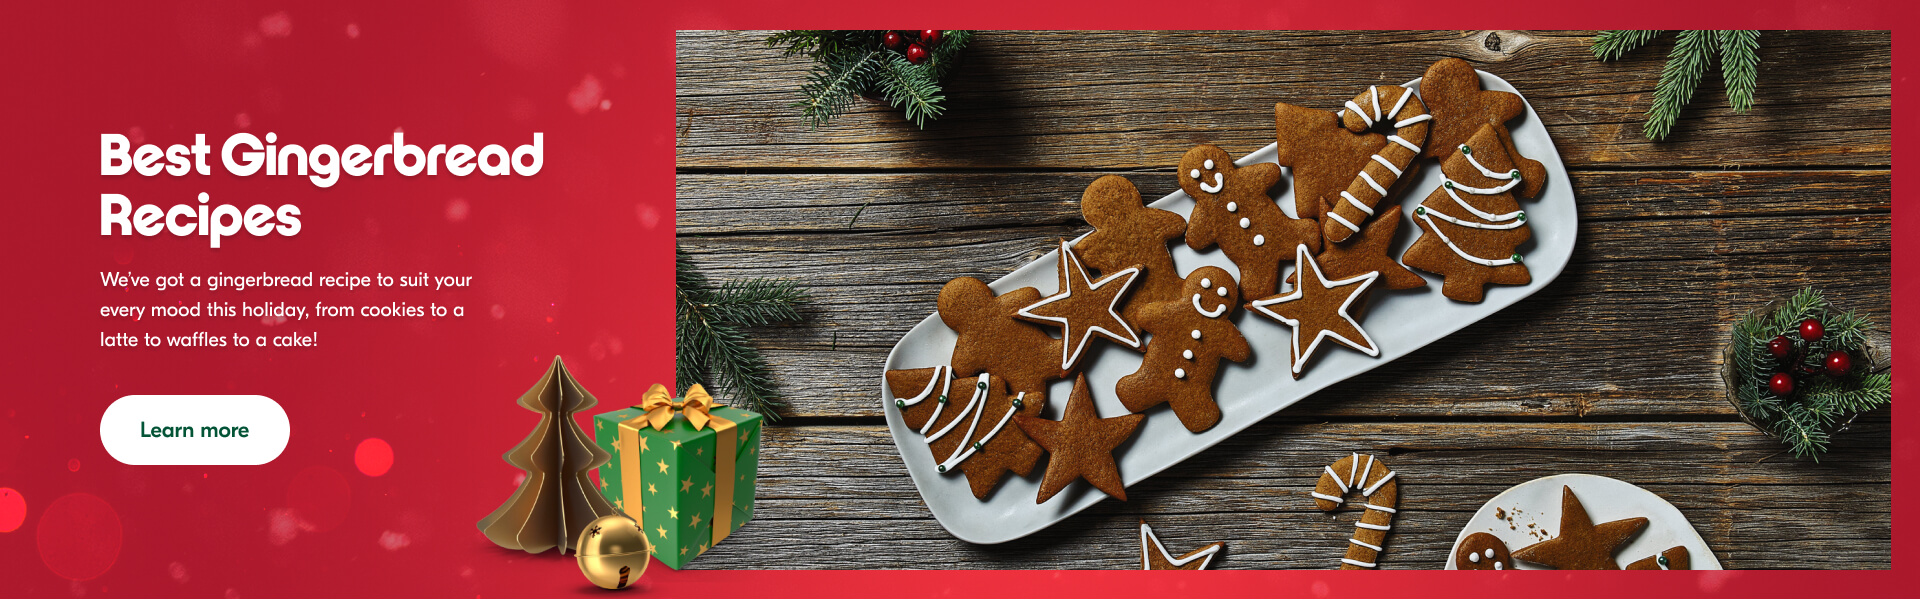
<point x="1537" y="503"/>
<point x="1400" y="322"/>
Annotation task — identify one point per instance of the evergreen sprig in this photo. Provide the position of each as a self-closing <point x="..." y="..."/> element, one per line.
<point x="849" y="64"/>
<point x="1694" y="51"/>
<point x="710" y="347"/>
<point x="1804" y="420"/>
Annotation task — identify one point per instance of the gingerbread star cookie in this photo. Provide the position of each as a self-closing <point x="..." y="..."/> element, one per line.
<point x="1084" y="309"/>
<point x="1674" y="559"/>
<point x="1154" y="555"/>
<point x="1581" y="544"/>
<point x="1231" y="209"/>
<point x="1369" y="251"/>
<point x="1080" y="445"/>
<point x="967" y="423"/>
<point x="1459" y="107"/>
<point x="1482" y="551"/>
<point x="1472" y="225"/>
<point x="1323" y="154"/>
<point x="1127" y="233"/>
<point x="992" y="340"/>
<point x="1318" y="309"/>
<point x="1190" y="336"/>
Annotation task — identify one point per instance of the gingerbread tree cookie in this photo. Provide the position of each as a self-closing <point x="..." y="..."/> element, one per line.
<point x="1190" y="338"/>
<point x="1084" y="309"/>
<point x="1319" y="309"/>
<point x="976" y="438"/>
<point x="1405" y="127"/>
<point x="1459" y="107"/>
<point x="1673" y="559"/>
<point x="1323" y="154"/>
<point x="1080" y="445"/>
<point x="1580" y="544"/>
<point x="1127" y="233"/>
<point x="1472" y="224"/>
<point x="992" y="340"/>
<point x="1231" y="209"/>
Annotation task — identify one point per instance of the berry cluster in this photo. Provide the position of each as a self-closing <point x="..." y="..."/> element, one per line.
<point x="1792" y="356"/>
<point x="915" y="44"/>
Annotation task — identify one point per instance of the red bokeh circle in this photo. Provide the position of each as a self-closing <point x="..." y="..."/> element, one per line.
<point x="320" y="497"/>
<point x="373" y="457"/>
<point x="13" y="510"/>
<point x="79" y="536"/>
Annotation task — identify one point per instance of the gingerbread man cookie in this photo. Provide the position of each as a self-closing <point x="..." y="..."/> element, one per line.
<point x="1482" y="551"/>
<point x="1405" y="127"/>
<point x="1451" y="88"/>
<point x="1231" y="209"/>
<point x="1127" y="233"/>
<point x="1323" y="154"/>
<point x="1472" y="225"/>
<point x="1190" y="338"/>
<point x="993" y="341"/>
<point x="975" y="438"/>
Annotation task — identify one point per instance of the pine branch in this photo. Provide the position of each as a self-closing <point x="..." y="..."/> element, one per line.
<point x="1739" y="66"/>
<point x="912" y="88"/>
<point x="755" y="302"/>
<point x="1678" y="80"/>
<point x="946" y="56"/>
<point x="833" y="85"/>
<point x="1804" y="420"/>
<point x="1610" y="45"/>
<point x="710" y="348"/>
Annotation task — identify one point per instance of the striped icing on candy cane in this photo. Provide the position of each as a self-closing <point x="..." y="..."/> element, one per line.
<point x="1409" y="117"/>
<point x="1376" y="483"/>
<point x="1496" y="221"/>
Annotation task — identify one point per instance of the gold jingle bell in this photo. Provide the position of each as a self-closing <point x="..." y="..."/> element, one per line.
<point x="612" y="551"/>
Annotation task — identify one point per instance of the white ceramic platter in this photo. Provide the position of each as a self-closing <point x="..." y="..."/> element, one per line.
<point x="1400" y="322"/>
<point x="1537" y="503"/>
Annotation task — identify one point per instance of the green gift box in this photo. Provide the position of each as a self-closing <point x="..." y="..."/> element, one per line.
<point x="683" y="468"/>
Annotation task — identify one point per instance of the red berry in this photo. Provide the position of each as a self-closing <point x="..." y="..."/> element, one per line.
<point x="1781" y="384"/>
<point x="916" y="54"/>
<point x="929" y="37"/>
<point x="1811" y="330"/>
<point x="1838" y="363"/>
<point x="893" y="40"/>
<point x="1780" y="347"/>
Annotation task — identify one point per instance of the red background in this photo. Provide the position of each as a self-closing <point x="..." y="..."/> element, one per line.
<point x="577" y="259"/>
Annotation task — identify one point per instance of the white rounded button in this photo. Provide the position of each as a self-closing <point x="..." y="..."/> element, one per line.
<point x="194" y="430"/>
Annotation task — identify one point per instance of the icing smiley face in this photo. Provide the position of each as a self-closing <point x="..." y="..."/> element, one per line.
<point x="1217" y="299"/>
<point x="1204" y="171"/>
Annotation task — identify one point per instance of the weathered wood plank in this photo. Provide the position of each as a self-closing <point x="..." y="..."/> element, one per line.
<point x="893" y="202"/>
<point x="1756" y="511"/>
<point x="1129" y="100"/>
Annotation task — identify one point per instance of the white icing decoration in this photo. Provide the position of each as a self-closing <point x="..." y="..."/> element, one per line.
<point x="1375" y="91"/>
<point x="1403" y="142"/>
<point x="1219" y="183"/>
<point x="1488" y="173"/>
<point x="1194" y="173"/>
<point x="1376" y="485"/>
<point x="1146" y="535"/>
<point x="1456" y="248"/>
<point x="1206" y="282"/>
<point x="1405" y="93"/>
<point x="947" y="388"/>
<point x="1208" y="164"/>
<point x="1222" y="292"/>
<point x="1245" y="222"/>
<point x="1385" y="509"/>
<point x="1180" y="373"/>
<point x="1216" y="312"/>
<point x="979" y="394"/>
<point x="1473" y="224"/>
<point x="1364" y="474"/>
<point x="1344" y="221"/>
<point x="1196" y="334"/>
<point x="1337" y="480"/>
<point x="1259" y="240"/>
<point x="1481" y="213"/>
<point x="1497" y="566"/>
<point x="1362" y="113"/>
<point x="1333" y="499"/>
<point x="931" y="383"/>
<point x="1356" y="203"/>
<point x="1474" y="557"/>
<point x="1484" y="191"/>
<point x="1411" y="121"/>
<point x="1070" y="267"/>
<point x="1377" y="189"/>
<point x="1233" y="206"/>
<point x="966" y="450"/>
<point x="1186" y="354"/>
<point x="1357" y="563"/>
<point x="1364" y="544"/>
<point x="1374" y="527"/>
<point x="1386" y="163"/>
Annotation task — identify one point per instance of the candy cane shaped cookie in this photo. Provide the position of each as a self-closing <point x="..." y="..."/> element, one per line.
<point x="1405" y="124"/>
<point x="1381" y="493"/>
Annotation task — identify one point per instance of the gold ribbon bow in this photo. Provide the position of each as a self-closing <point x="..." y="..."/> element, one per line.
<point x="659" y="404"/>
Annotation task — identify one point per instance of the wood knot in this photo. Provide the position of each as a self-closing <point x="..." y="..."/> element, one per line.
<point x="1495" y="46"/>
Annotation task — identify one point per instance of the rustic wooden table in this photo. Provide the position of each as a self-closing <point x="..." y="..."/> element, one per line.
<point x="1613" y="369"/>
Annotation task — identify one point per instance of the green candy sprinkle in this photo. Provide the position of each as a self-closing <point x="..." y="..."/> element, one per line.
<point x="978" y="445"/>
<point x="1017" y="403"/>
<point x="942" y="468"/>
<point x="943" y="398"/>
<point x="900" y="403"/>
<point x="1517" y="259"/>
<point x="982" y="385"/>
<point x="1516" y="174"/>
<point x="1420" y="211"/>
<point x="1521" y="216"/>
<point x="1663" y="561"/>
<point x="1465" y="149"/>
<point x="1448" y="183"/>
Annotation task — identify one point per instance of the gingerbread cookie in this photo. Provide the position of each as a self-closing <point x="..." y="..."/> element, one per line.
<point x="1482" y="551"/>
<point x="1084" y="309"/>
<point x="1580" y="544"/>
<point x="1459" y="107"/>
<point x="1080" y="445"/>
<point x="992" y="340"/>
<point x="1405" y="127"/>
<point x="1323" y="154"/>
<point x="976" y="438"/>
<point x="1319" y="309"/>
<point x="1382" y="494"/>
<point x="1154" y="555"/>
<point x="1190" y="337"/>
<point x="1368" y="251"/>
<point x="1126" y="233"/>
<point x="1231" y="209"/>
<point x="1674" y="559"/>
<point x="1472" y="224"/>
